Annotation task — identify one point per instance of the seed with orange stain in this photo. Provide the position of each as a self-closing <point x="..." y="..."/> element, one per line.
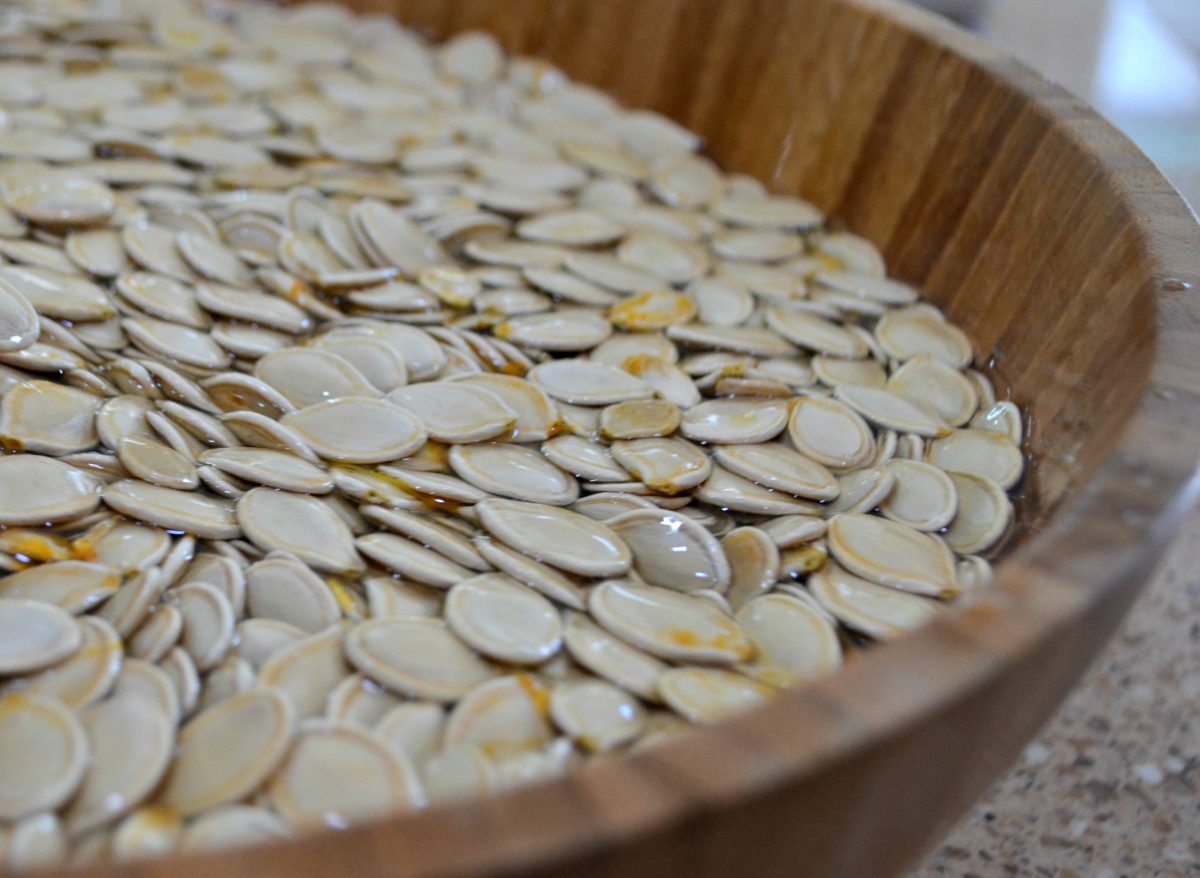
<point x="651" y="311"/>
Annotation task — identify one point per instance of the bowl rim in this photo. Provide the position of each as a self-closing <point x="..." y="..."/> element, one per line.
<point x="1133" y="504"/>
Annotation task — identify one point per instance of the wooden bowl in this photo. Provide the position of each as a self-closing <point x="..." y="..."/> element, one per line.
<point x="1072" y="264"/>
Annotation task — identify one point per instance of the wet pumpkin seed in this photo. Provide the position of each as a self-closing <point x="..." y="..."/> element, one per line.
<point x="322" y="398"/>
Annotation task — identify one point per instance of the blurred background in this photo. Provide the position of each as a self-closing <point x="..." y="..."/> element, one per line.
<point x="1136" y="61"/>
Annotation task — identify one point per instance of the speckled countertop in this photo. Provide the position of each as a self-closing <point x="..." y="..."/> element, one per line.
<point x="1111" y="787"/>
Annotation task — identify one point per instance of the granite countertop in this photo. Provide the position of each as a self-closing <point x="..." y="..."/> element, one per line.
<point x="1111" y="786"/>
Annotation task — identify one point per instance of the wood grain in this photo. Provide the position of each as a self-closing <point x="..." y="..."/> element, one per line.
<point x="1074" y="267"/>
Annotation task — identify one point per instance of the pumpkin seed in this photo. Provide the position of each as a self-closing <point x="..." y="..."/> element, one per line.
<point x="672" y="551"/>
<point x="54" y="750"/>
<point x="983" y="514"/>
<point x="868" y="607"/>
<point x="274" y="469"/>
<point x="558" y="537"/>
<point x="39" y="490"/>
<point x="754" y="564"/>
<point x="232" y="826"/>
<point x="227" y="751"/>
<point x="357" y="429"/>
<point x="513" y="471"/>
<point x="36" y="635"/>
<point x="305" y="671"/>
<point x="830" y="433"/>
<point x="890" y="410"/>
<point x="597" y="715"/>
<point x="734" y="421"/>
<point x="706" y="695"/>
<point x="725" y="490"/>
<point x="892" y="554"/>
<point x="419" y="657"/>
<point x="300" y="791"/>
<point x="538" y="576"/>
<point x="979" y="453"/>
<point x="455" y="411"/>
<point x="668" y="624"/>
<point x="300" y="524"/>
<point x="131" y="741"/>
<point x="172" y="509"/>
<point x="503" y="619"/>
<point x="88" y="674"/>
<point x="75" y="586"/>
<point x="792" y="641"/>
<point x="301" y="342"/>
<point x="923" y="497"/>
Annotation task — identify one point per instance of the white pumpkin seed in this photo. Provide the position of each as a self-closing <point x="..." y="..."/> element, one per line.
<point x="503" y="619"/>
<point x="584" y="459"/>
<point x="983" y="514"/>
<point x="359" y="702"/>
<point x="232" y="826"/>
<point x="672" y="551"/>
<point x="771" y="212"/>
<point x="455" y="411"/>
<point x="1002" y="417"/>
<point x="153" y="462"/>
<point x="419" y="657"/>
<point x="54" y="750"/>
<point x="562" y="330"/>
<point x="861" y="490"/>
<point x="830" y="433"/>
<point x="873" y="609"/>
<point x="754" y="564"/>
<point x="597" y="715"/>
<point x="707" y="695"/>
<point x="75" y="586"/>
<point x="938" y="387"/>
<point x="535" y="574"/>
<point x="558" y="537"/>
<point x="778" y="467"/>
<point x="910" y="332"/>
<point x="303" y="796"/>
<point x="307" y="376"/>
<point x="305" y="671"/>
<point x="978" y="453"/>
<point x="411" y="559"/>
<point x="357" y="429"/>
<point x="184" y="680"/>
<point x="513" y="471"/>
<point x="792" y="641"/>
<point x="274" y="469"/>
<point x="39" y="490"/>
<point x="736" y="339"/>
<point x="726" y="490"/>
<point x="36" y="635"/>
<point x="131" y="741"/>
<point x="227" y="751"/>
<point x="923" y="496"/>
<point x="48" y="418"/>
<point x="892" y="554"/>
<point x="300" y="524"/>
<point x="184" y="511"/>
<point x="87" y="675"/>
<point x="667" y="624"/>
<point x="734" y="421"/>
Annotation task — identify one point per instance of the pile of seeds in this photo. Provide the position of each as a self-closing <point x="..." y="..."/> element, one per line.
<point x="411" y="416"/>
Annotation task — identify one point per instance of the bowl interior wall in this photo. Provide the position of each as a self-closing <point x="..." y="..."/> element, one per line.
<point x="970" y="191"/>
